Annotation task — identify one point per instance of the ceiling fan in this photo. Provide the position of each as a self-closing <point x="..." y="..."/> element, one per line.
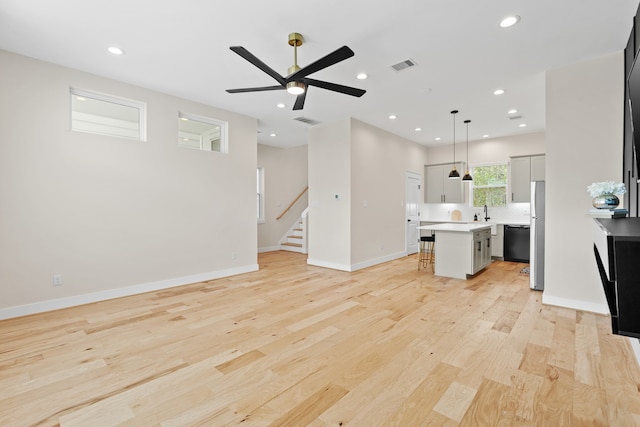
<point x="296" y="82"/>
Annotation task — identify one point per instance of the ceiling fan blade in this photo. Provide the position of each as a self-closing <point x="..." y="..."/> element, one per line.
<point x="348" y="90"/>
<point x="255" y="89"/>
<point x="333" y="58"/>
<point x="258" y="63"/>
<point x="299" y="104"/>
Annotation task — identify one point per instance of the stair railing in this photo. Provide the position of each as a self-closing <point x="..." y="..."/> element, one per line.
<point x="293" y="203"/>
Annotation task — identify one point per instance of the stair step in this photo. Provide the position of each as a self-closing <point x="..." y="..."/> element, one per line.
<point x="295" y="237"/>
<point x="298" y="229"/>
<point x="295" y="245"/>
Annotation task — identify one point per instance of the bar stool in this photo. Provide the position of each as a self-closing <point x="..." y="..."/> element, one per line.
<point x="427" y="248"/>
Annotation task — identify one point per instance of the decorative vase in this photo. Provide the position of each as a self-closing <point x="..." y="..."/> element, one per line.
<point x="606" y="201"/>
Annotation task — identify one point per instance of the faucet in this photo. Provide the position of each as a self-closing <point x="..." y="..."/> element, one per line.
<point x="486" y="214"/>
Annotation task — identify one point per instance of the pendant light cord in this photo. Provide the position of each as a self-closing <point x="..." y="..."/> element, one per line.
<point x="467" y="122"/>
<point x="454" y="112"/>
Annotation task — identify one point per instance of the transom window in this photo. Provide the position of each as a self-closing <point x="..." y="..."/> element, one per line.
<point x="104" y="114"/>
<point x="202" y="133"/>
<point x="489" y="185"/>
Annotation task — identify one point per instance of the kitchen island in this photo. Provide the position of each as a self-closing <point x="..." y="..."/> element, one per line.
<point x="461" y="249"/>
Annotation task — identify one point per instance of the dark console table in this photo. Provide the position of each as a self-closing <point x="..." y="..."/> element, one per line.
<point x="617" y="251"/>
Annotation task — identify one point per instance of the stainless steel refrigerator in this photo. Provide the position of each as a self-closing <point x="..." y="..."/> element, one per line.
<point x="536" y="242"/>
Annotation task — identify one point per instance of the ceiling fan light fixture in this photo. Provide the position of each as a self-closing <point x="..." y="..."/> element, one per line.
<point x="295" y="88"/>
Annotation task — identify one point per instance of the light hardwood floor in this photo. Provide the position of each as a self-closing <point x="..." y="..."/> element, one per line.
<point x="296" y="345"/>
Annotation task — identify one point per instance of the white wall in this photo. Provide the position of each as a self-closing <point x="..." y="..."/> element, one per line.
<point x="329" y="220"/>
<point x="584" y="131"/>
<point x="361" y="164"/>
<point x="113" y="216"/>
<point x="379" y="162"/>
<point x="490" y="150"/>
<point x="285" y="176"/>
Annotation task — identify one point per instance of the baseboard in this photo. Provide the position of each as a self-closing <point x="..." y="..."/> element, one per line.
<point x="56" y="304"/>
<point x="635" y="345"/>
<point x="333" y="266"/>
<point x="269" y="249"/>
<point x="575" y="304"/>
<point x="376" y="261"/>
<point x="358" y="266"/>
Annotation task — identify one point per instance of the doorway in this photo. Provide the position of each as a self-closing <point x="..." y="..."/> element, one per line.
<point x="412" y="209"/>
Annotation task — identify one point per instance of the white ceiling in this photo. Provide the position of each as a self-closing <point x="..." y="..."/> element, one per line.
<point x="182" y="48"/>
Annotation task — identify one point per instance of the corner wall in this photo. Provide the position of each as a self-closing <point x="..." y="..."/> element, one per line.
<point x="365" y="167"/>
<point x="584" y="120"/>
<point x="329" y="220"/>
<point x="112" y="216"/>
<point x="379" y="162"/>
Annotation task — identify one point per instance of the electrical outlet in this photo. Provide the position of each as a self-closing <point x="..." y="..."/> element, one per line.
<point x="57" y="279"/>
<point x="234" y="255"/>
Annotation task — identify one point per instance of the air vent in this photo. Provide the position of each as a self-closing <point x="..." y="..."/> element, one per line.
<point x="307" y="120"/>
<point x="515" y="117"/>
<point x="407" y="63"/>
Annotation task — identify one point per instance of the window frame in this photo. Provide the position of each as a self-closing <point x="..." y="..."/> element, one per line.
<point x="224" y="131"/>
<point x="473" y="186"/>
<point x="113" y="99"/>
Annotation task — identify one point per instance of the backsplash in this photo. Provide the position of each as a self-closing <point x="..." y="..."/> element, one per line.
<point x="442" y="212"/>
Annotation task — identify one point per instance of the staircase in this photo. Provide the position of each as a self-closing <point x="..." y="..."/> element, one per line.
<point x="296" y="238"/>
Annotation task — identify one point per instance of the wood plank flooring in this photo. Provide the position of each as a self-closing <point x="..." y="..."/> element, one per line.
<point x="297" y="345"/>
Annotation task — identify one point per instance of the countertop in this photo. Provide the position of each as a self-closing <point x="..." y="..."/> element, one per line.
<point x="460" y="227"/>
<point x="526" y="221"/>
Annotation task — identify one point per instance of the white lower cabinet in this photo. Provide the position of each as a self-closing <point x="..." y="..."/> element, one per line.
<point x="497" y="242"/>
<point x="459" y="254"/>
<point x="481" y="250"/>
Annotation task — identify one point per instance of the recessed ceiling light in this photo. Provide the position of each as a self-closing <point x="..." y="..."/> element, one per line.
<point x="498" y="91"/>
<point x="485" y="136"/>
<point x="280" y="105"/>
<point x="418" y="129"/>
<point x="273" y="134"/>
<point x="512" y="111"/>
<point x="81" y="98"/>
<point x="509" y="21"/>
<point x="115" y="50"/>
<point x="522" y="125"/>
<point x="362" y="76"/>
<point x="184" y="119"/>
<point x="393" y="117"/>
<point x="437" y="138"/>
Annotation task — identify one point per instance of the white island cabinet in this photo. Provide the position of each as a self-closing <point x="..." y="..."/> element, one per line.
<point x="461" y="249"/>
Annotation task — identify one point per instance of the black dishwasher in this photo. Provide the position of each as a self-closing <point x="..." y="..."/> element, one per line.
<point x="516" y="243"/>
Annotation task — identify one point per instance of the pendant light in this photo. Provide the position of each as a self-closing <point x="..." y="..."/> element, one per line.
<point x="454" y="173"/>
<point x="467" y="175"/>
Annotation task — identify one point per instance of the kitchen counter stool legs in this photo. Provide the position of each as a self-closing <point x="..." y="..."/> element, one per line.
<point x="426" y="256"/>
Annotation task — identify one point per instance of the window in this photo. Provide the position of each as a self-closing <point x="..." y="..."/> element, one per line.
<point x="103" y="114"/>
<point x="202" y="133"/>
<point x="260" y="204"/>
<point x="489" y="185"/>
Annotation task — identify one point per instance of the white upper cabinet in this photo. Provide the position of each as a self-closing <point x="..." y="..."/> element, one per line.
<point x="439" y="188"/>
<point x="537" y="168"/>
<point x="525" y="169"/>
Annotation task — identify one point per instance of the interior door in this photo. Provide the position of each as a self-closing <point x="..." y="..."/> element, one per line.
<point x="412" y="207"/>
